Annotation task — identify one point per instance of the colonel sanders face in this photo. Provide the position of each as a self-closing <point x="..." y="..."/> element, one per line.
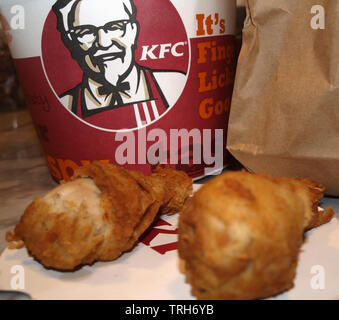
<point x="101" y="35"/>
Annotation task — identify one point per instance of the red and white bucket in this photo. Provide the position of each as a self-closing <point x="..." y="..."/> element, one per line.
<point x="130" y="82"/>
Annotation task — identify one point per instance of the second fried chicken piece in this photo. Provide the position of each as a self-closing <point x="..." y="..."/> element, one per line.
<point x="98" y="215"/>
<point x="240" y="235"/>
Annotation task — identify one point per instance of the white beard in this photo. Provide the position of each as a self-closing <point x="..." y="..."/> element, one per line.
<point x="114" y="69"/>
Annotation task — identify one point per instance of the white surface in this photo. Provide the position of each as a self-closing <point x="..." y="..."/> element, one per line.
<point x="145" y="274"/>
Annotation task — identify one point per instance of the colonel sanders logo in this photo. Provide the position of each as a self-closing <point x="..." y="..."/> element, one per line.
<point x="123" y="84"/>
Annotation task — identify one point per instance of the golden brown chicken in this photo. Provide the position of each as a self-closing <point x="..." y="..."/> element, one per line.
<point x="241" y="233"/>
<point x="98" y="215"/>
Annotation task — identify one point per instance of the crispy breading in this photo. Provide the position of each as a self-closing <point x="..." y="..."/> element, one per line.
<point x="174" y="192"/>
<point x="319" y="217"/>
<point x="99" y="215"/>
<point x="240" y="235"/>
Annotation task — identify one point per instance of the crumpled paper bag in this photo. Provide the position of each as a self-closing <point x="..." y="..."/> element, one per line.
<point x="284" y="118"/>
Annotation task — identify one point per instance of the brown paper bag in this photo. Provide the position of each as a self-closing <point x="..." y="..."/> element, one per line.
<point x="284" y="117"/>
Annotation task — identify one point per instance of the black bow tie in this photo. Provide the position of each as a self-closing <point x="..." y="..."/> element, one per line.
<point x="107" y="89"/>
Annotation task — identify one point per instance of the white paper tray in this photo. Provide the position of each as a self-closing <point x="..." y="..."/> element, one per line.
<point x="146" y="274"/>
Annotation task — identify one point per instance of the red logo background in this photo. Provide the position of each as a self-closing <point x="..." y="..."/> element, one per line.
<point x="159" y="22"/>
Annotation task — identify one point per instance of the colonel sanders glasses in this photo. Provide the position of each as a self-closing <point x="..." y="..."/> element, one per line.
<point x="88" y="34"/>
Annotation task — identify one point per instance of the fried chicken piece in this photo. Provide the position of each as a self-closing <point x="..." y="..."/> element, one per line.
<point x="98" y="215"/>
<point x="240" y="235"/>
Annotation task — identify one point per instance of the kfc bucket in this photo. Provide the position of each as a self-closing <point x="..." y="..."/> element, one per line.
<point x="130" y="82"/>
